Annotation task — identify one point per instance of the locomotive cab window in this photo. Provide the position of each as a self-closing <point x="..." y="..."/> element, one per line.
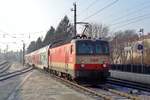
<point x="85" y="47"/>
<point x="101" y="48"/>
<point x="92" y="47"/>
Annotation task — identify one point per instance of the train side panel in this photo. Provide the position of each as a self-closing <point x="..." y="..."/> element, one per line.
<point x="62" y="59"/>
<point x="38" y="58"/>
<point x="42" y="56"/>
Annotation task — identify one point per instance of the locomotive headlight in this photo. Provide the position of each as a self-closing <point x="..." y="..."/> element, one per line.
<point x="82" y="65"/>
<point x="104" y="65"/>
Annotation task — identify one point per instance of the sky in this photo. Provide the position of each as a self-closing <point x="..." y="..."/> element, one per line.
<point x="26" y="20"/>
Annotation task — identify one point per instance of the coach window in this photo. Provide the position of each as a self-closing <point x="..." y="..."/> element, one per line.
<point x="71" y="49"/>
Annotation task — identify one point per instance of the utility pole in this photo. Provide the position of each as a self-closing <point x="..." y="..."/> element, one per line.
<point x="142" y="50"/>
<point x="75" y="18"/>
<point x="23" y="60"/>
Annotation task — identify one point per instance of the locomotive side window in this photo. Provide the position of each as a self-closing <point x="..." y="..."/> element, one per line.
<point x="71" y="49"/>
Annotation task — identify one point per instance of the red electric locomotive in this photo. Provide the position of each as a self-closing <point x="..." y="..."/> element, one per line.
<point x="76" y="59"/>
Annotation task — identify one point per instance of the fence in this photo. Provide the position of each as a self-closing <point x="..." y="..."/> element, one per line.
<point x="134" y="68"/>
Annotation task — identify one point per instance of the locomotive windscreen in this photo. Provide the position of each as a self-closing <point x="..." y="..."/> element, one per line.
<point x="92" y="47"/>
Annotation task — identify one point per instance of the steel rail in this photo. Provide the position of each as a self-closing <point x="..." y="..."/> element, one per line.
<point x="2" y="65"/>
<point x="130" y="84"/>
<point x="15" y="73"/>
<point x="92" y="92"/>
<point x="5" y="68"/>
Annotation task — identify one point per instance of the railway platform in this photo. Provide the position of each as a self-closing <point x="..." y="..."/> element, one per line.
<point x="135" y="77"/>
<point x="40" y="86"/>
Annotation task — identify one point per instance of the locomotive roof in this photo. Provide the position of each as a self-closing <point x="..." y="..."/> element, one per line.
<point x="63" y="42"/>
<point x="43" y="49"/>
<point x="73" y="41"/>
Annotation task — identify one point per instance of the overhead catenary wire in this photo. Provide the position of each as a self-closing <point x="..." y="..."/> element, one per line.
<point x="89" y="6"/>
<point x="76" y="0"/>
<point x="131" y="12"/>
<point x="4" y="34"/>
<point x="133" y="18"/>
<point x="134" y="21"/>
<point x="100" y="10"/>
<point x="119" y="25"/>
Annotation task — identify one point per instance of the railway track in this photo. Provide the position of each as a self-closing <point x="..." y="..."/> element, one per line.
<point x="129" y="84"/>
<point x="2" y="62"/>
<point x="4" y="67"/>
<point x="113" y="93"/>
<point x="15" y="73"/>
<point x="97" y="93"/>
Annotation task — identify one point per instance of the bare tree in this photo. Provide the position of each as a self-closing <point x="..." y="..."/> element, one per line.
<point x="97" y="30"/>
<point x="120" y="41"/>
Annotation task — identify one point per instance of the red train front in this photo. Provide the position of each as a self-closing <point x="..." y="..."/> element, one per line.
<point x="92" y="58"/>
<point x="80" y="59"/>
